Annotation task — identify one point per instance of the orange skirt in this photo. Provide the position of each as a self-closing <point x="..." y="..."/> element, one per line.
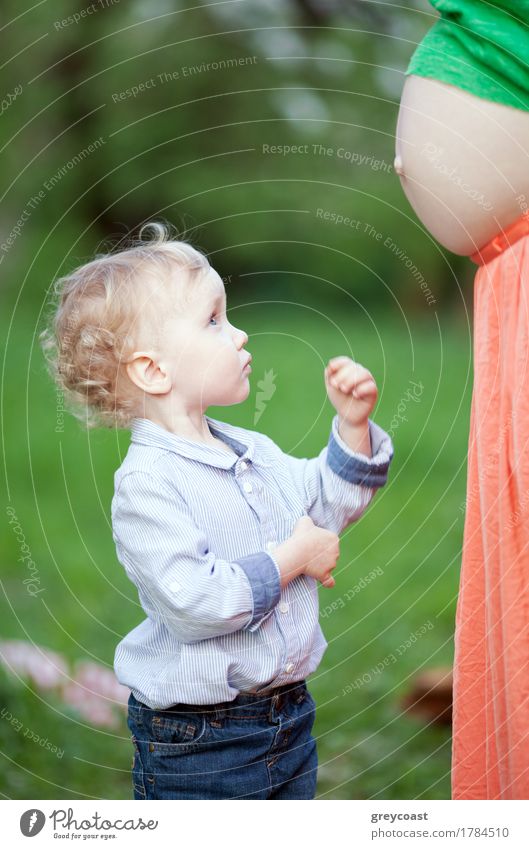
<point x="491" y="666"/>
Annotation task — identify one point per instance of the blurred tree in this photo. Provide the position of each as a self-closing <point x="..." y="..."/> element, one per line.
<point x="263" y="130"/>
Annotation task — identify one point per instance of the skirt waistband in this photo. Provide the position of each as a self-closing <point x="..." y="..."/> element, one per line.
<point x="508" y="237"/>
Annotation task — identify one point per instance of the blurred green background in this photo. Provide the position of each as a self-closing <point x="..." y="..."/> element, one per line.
<point x="255" y="128"/>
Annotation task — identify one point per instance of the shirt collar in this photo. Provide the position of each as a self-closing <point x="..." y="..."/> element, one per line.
<point x="146" y="432"/>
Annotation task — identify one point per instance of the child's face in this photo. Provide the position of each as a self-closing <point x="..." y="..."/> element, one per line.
<point x="202" y="353"/>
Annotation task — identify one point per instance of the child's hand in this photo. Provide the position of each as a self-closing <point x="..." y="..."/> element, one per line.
<point x="310" y="550"/>
<point x="351" y="389"/>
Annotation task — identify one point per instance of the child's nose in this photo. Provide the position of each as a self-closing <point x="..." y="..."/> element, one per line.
<point x="243" y="337"/>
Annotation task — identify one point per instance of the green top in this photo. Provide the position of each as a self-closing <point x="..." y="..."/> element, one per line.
<point x="481" y="46"/>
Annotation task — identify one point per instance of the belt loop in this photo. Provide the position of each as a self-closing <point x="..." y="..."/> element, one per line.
<point x="216" y="715"/>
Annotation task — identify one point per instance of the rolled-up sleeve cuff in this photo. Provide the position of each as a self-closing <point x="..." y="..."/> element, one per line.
<point x="358" y="468"/>
<point x="264" y="577"/>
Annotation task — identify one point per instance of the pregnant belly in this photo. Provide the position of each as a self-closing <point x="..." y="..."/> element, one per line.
<point x="463" y="162"/>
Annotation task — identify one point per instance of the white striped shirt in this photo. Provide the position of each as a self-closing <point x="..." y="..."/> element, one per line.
<point x="195" y="527"/>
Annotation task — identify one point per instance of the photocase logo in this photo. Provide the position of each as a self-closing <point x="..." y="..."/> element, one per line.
<point x="31" y="822"/>
<point x="267" y="388"/>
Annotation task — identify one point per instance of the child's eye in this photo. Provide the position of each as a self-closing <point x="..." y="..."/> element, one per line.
<point x="216" y="316"/>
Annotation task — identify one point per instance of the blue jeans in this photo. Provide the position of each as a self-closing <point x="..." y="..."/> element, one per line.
<point x="254" y="747"/>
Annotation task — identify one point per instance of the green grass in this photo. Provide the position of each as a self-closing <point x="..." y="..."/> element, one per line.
<point x="61" y="484"/>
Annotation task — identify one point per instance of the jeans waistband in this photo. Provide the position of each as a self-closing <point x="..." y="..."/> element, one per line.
<point x="249" y="697"/>
<point x="245" y="702"/>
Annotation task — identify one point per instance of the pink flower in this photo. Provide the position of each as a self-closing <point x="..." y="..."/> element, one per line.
<point x="46" y="669"/>
<point x="101" y="681"/>
<point x="89" y="705"/>
<point x="91" y="689"/>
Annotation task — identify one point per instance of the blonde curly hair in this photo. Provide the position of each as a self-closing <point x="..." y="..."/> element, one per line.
<point x="96" y="317"/>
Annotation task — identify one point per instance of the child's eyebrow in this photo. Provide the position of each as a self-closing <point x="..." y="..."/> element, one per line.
<point x="217" y="299"/>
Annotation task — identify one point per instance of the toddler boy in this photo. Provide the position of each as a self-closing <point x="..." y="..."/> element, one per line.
<point x="224" y="535"/>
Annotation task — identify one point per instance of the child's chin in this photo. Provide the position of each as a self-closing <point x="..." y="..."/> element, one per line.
<point x="239" y="394"/>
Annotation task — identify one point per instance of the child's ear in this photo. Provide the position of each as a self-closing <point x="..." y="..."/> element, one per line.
<point x="147" y="374"/>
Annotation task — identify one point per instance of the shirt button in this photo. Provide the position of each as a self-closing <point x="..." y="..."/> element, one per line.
<point x="283" y="606"/>
<point x="174" y="586"/>
<point x="244" y="466"/>
<point x="289" y="667"/>
<point x="271" y="545"/>
<point x="247" y="487"/>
